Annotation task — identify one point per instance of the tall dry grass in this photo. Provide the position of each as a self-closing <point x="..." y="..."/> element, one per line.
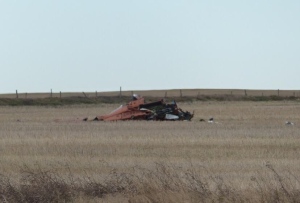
<point x="165" y="183"/>
<point x="249" y="154"/>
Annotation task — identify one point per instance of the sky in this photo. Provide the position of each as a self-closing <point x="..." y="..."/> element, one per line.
<point x="100" y="45"/>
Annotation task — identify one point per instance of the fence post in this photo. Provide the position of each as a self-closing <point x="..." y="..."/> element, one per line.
<point x="51" y="93"/>
<point x="278" y="92"/>
<point x="120" y="94"/>
<point x="26" y="95"/>
<point x="60" y="94"/>
<point x="245" y="92"/>
<point x="17" y="96"/>
<point x="96" y="94"/>
<point x="85" y="95"/>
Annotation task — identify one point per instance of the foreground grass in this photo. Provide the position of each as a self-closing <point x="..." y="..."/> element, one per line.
<point x="165" y="183"/>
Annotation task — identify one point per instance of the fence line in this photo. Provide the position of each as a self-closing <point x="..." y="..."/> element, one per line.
<point x="197" y="93"/>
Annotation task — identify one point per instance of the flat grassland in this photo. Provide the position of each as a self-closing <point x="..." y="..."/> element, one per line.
<point x="247" y="154"/>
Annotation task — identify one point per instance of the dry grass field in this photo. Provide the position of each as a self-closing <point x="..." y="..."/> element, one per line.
<point x="248" y="154"/>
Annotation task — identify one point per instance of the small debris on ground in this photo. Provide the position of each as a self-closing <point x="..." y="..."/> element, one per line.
<point x="289" y="123"/>
<point x="211" y="120"/>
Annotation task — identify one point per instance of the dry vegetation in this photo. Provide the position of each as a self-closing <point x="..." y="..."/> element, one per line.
<point x="49" y="155"/>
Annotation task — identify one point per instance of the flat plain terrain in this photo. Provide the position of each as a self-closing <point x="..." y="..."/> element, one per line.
<point x="248" y="148"/>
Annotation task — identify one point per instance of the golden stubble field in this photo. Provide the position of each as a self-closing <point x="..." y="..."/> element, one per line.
<point x="246" y="138"/>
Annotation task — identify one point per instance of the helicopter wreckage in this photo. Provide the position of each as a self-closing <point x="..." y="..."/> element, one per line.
<point x="137" y="109"/>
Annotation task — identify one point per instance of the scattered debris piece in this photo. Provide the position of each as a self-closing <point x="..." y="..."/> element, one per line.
<point x="211" y="120"/>
<point x="85" y="119"/>
<point x="202" y="120"/>
<point x="289" y="123"/>
<point x="137" y="109"/>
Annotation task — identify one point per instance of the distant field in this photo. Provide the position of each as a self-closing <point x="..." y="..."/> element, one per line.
<point x="248" y="154"/>
<point x="162" y="93"/>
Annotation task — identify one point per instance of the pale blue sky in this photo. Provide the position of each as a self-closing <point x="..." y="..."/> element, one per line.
<point x="91" y="45"/>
